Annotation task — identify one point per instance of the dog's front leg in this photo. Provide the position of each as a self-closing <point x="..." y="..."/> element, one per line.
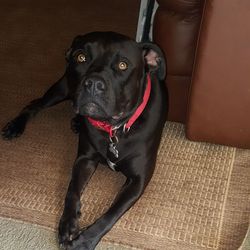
<point x="128" y="195"/>
<point x="57" y="93"/>
<point x="68" y="227"/>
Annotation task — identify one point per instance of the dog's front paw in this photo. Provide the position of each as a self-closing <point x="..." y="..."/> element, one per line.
<point x="68" y="230"/>
<point x="76" y="124"/>
<point x="86" y="240"/>
<point x="14" y="128"/>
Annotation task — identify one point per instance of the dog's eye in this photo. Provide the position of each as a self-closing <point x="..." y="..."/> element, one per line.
<point x="123" y="66"/>
<point x="81" y="58"/>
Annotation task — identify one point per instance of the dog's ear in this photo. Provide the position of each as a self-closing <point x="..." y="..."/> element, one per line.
<point x="67" y="54"/>
<point x="154" y="59"/>
<point x="74" y="43"/>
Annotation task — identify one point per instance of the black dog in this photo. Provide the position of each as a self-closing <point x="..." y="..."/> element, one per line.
<point x="121" y="105"/>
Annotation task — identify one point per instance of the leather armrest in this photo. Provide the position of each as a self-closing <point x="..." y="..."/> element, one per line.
<point x="176" y="27"/>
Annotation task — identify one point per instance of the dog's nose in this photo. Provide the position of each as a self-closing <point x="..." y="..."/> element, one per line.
<point x="94" y="85"/>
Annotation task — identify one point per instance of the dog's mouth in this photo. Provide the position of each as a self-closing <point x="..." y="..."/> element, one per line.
<point x="95" y="111"/>
<point x="118" y="116"/>
<point x="92" y="110"/>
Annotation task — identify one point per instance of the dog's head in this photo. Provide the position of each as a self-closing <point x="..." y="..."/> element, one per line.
<point x="109" y="71"/>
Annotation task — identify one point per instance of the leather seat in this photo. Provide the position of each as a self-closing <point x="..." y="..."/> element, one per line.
<point x="219" y="103"/>
<point x="212" y="95"/>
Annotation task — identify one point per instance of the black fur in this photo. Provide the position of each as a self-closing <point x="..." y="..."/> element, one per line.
<point x="100" y="90"/>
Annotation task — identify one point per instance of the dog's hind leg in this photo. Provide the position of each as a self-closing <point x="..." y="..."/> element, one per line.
<point x="57" y="93"/>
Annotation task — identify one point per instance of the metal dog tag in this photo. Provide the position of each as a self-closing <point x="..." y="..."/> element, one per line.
<point x="111" y="164"/>
<point x="113" y="149"/>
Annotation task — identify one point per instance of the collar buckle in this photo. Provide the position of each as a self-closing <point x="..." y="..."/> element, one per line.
<point x="125" y="128"/>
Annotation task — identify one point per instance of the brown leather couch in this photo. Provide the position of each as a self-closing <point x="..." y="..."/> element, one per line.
<point x="208" y="54"/>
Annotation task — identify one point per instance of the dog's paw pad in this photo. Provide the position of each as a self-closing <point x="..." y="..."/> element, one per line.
<point x="68" y="231"/>
<point x="13" y="129"/>
<point x="76" y="124"/>
<point x="62" y="246"/>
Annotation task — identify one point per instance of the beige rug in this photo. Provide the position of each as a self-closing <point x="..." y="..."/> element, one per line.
<point x="199" y="195"/>
<point x="182" y="208"/>
<point x="26" y="236"/>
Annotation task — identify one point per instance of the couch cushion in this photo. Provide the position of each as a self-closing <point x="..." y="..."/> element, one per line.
<point x="219" y="102"/>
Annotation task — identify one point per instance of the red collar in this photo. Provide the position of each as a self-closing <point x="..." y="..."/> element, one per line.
<point x="110" y="129"/>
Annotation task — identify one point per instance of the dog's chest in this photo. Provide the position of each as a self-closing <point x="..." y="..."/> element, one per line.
<point x="110" y="149"/>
